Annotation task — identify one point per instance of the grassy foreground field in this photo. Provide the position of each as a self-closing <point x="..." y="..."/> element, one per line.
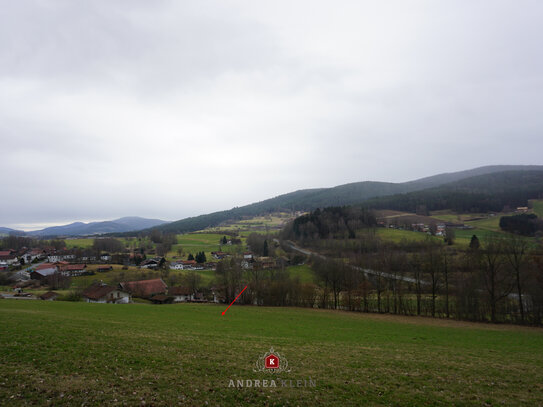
<point x="63" y="353"/>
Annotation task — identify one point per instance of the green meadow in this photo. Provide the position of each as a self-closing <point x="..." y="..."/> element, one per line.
<point x="201" y="242"/>
<point x="397" y="235"/>
<point x="538" y="207"/>
<point x="61" y="353"/>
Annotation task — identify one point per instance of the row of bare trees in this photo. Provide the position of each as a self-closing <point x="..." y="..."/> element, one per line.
<point x="499" y="281"/>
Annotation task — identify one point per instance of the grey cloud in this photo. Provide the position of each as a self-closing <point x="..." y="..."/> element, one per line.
<point x="169" y="109"/>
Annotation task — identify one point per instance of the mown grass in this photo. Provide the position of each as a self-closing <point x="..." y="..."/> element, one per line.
<point x="56" y="353"/>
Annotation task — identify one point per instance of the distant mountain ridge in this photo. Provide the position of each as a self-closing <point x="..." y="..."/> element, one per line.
<point x="7" y="231"/>
<point x="121" y="225"/>
<point x="347" y="194"/>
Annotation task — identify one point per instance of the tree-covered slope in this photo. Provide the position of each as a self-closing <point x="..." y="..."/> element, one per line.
<point x="482" y="193"/>
<point x="348" y="194"/>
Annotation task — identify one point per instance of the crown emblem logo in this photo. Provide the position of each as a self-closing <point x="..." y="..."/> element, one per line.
<point x="271" y="362"/>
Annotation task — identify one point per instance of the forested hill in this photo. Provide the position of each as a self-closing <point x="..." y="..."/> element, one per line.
<point x="348" y="194"/>
<point x="483" y="193"/>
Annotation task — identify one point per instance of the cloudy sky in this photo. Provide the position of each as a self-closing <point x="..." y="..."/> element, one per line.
<point x="170" y="109"/>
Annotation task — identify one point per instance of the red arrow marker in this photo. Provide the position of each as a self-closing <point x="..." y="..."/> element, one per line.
<point x="224" y="312"/>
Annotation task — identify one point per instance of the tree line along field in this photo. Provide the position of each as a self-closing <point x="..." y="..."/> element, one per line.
<point x="63" y="353"/>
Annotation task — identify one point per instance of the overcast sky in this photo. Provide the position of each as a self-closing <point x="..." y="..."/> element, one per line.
<point x="169" y="109"/>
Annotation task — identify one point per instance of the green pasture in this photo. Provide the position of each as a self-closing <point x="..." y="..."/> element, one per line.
<point x="303" y="272"/>
<point x="397" y="235"/>
<point x="198" y="242"/>
<point x="538" y="207"/>
<point x="61" y="353"/>
<point x="80" y="243"/>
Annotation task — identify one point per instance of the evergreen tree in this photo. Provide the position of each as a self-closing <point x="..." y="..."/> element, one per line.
<point x="224" y="240"/>
<point x="191" y="257"/>
<point x="474" y="243"/>
<point x="200" y="257"/>
<point x="265" y="252"/>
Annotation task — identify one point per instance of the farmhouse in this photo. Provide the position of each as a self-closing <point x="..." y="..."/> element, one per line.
<point x="145" y="288"/>
<point x="103" y="293"/>
<point x="219" y="255"/>
<point x="49" y="296"/>
<point x="153" y="263"/>
<point x="33" y="254"/>
<point x="64" y="256"/>
<point x="8" y="257"/>
<point x="183" y="265"/>
<point x="180" y="294"/>
<point x="102" y="269"/>
<point x="43" y="270"/>
<point x="176" y="265"/>
<point x="265" y="263"/>
<point x="72" y="269"/>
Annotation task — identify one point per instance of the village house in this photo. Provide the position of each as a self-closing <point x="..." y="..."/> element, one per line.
<point x="71" y="270"/>
<point x="103" y="269"/>
<point x="145" y="288"/>
<point x="180" y="294"/>
<point x="183" y="265"/>
<point x="264" y="263"/>
<point x="8" y="257"/>
<point x="103" y="293"/>
<point x="49" y="296"/>
<point x="219" y="255"/>
<point x="153" y="263"/>
<point x="33" y="254"/>
<point x="62" y="256"/>
<point x="176" y="265"/>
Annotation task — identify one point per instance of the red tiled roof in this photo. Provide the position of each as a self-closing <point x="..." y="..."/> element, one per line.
<point x="97" y="291"/>
<point x="9" y="257"/>
<point x="145" y="288"/>
<point x="178" y="291"/>
<point x="5" y="253"/>
<point x="73" y="267"/>
<point x="45" y="266"/>
<point x="48" y="295"/>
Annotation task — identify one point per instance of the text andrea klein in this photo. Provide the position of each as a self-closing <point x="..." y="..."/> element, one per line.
<point x="272" y="383"/>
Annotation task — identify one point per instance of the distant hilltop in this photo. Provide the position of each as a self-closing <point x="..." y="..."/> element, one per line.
<point x="126" y="224"/>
